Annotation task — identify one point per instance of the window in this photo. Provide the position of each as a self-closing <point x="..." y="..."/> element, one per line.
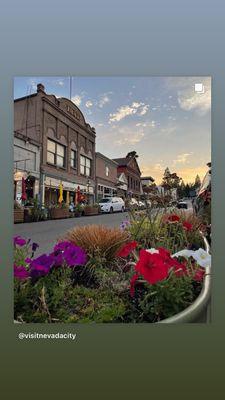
<point x="107" y="170"/>
<point x="85" y="166"/>
<point x="73" y="159"/>
<point x="55" y="153"/>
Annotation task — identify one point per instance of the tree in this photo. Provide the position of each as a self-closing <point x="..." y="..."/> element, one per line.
<point x="197" y="182"/>
<point x="170" y="180"/>
<point x="181" y="189"/>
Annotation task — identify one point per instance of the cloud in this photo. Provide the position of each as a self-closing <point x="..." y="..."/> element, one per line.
<point x="104" y="99"/>
<point x="59" y="82"/>
<point x="88" y="104"/>
<point x="187" y="98"/>
<point x="143" y="110"/>
<point x="182" y="158"/>
<point x="32" y="83"/>
<point x="124" y="111"/>
<point x="201" y="103"/>
<point x="125" y="138"/>
<point x="151" y="124"/>
<point x="77" y="100"/>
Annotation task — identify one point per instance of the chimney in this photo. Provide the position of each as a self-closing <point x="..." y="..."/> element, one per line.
<point x="40" y="88"/>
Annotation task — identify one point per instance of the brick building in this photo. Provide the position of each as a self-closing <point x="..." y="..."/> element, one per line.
<point x="129" y="166"/>
<point x="106" y="176"/>
<point x="66" y="142"/>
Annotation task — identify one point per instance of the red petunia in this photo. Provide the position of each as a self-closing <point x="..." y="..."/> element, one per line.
<point x="152" y="267"/>
<point x="179" y="269"/>
<point x="127" y="249"/>
<point x="173" y="218"/>
<point x="199" y="275"/>
<point x="187" y="226"/>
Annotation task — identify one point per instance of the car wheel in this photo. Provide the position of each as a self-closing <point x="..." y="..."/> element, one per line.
<point x="122" y="209"/>
<point x="111" y="210"/>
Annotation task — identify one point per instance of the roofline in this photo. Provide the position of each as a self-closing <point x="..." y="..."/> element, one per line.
<point x="25" y="97"/>
<point x="97" y="153"/>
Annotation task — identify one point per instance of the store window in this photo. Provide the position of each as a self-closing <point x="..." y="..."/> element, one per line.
<point x="85" y="166"/>
<point x="73" y="159"/>
<point x="55" y="153"/>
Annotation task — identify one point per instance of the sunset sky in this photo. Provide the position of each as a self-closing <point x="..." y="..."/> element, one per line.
<point x="163" y="119"/>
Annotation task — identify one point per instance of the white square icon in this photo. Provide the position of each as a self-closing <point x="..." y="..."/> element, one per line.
<point x="199" y="88"/>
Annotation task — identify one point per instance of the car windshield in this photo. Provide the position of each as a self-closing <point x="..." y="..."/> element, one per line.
<point x="104" y="201"/>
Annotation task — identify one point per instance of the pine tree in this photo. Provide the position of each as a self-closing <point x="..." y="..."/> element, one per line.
<point x="197" y="182"/>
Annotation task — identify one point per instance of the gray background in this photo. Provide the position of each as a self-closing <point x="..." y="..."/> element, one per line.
<point x="113" y="38"/>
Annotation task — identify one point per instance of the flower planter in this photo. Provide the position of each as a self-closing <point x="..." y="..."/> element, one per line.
<point x="18" y="215"/>
<point x="89" y="210"/>
<point x="59" y="213"/>
<point x="199" y="310"/>
<point x="77" y="214"/>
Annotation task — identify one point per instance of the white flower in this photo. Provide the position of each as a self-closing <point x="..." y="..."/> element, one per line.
<point x="202" y="257"/>
<point x="184" y="253"/>
<point x="152" y="250"/>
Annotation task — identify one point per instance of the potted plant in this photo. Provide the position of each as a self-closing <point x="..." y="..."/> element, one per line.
<point x="152" y="269"/>
<point x="78" y="211"/>
<point x="18" y="212"/>
<point x="91" y="209"/>
<point x="59" y="211"/>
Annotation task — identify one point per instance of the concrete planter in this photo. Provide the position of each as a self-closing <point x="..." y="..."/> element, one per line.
<point x="59" y="213"/>
<point x="18" y="215"/>
<point x="199" y="311"/>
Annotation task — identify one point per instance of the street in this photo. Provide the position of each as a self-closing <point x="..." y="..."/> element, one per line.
<point x="46" y="233"/>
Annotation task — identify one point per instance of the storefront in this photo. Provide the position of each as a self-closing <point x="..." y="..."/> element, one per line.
<point x="51" y="191"/>
<point x="105" y="191"/>
<point x="31" y="186"/>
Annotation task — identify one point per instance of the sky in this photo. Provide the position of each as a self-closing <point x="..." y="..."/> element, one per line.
<point x="163" y="119"/>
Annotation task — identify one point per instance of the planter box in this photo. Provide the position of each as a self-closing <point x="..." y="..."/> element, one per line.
<point x="77" y="214"/>
<point x="18" y="215"/>
<point x="199" y="311"/>
<point x="59" y="213"/>
<point x="91" y="210"/>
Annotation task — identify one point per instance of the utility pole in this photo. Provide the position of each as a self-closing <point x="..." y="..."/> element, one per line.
<point x="71" y="82"/>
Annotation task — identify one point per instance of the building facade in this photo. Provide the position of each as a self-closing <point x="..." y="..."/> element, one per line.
<point x="129" y="166"/>
<point x="106" y="177"/>
<point x="147" y="181"/>
<point x="66" y="142"/>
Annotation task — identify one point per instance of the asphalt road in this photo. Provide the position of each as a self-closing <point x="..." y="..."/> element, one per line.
<point x="46" y="233"/>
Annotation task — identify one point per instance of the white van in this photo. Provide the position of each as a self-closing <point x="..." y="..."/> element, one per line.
<point x="111" y="204"/>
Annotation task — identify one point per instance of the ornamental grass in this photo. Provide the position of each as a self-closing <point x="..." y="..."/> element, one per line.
<point x="98" y="240"/>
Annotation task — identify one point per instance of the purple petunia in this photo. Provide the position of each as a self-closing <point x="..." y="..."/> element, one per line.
<point x="68" y="253"/>
<point x="62" y="246"/>
<point x="34" y="246"/>
<point x="18" y="240"/>
<point x="124" y="224"/>
<point x="20" y="272"/>
<point x="41" y="265"/>
<point x="75" y="256"/>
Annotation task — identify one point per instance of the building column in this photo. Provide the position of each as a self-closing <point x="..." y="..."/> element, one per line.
<point x="42" y="189"/>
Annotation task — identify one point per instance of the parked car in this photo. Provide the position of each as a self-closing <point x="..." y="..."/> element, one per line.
<point x="133" y="204"/>
<point x="182" y="204"/>
<point x="112" y="204"/>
